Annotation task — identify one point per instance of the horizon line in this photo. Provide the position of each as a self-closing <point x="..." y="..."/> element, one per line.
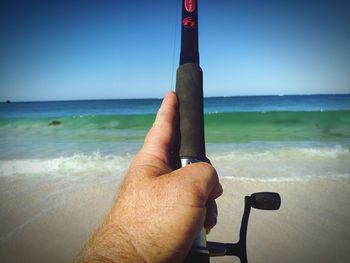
<point x="7" y="101"/>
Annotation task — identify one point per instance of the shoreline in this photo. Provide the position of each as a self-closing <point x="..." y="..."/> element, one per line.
<point x="4" y="101"/>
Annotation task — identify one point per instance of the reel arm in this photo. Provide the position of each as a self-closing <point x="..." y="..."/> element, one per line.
<point x="261" y="201"/>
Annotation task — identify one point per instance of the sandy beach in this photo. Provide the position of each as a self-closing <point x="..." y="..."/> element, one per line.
<point x="313" y="224"/>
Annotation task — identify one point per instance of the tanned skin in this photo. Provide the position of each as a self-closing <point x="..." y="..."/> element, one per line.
<point x="158" y="210"/>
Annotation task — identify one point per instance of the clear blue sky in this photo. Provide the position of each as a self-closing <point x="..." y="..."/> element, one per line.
<point x="124" y="49"/>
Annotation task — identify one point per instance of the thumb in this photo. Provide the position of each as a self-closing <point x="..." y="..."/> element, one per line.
<point x="160" y="138"/>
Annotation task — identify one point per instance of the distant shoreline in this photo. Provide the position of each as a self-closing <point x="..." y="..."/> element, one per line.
<point x="209" y="97"/>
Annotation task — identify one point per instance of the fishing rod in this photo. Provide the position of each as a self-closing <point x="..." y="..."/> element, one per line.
<point x="191" y="141"/>
<point x="189" y="90"/>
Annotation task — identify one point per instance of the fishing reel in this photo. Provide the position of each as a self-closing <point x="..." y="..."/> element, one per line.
<point x="261" y="201"/>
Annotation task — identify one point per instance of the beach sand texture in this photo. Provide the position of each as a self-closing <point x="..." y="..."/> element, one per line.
<point x="313" y="224"/>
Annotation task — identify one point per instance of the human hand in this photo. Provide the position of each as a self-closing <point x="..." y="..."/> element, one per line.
<point x="158" y="211"/>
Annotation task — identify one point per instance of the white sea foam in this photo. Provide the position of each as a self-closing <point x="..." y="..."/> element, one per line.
<point x="62" y="166"/>
<point x="283" y="164"/>
<point x="328" y="152"/>
<point x="266" y="164"/>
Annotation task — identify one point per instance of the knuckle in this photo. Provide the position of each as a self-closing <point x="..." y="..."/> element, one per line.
<point x="203" y="177"/>
<point x="208" y="170"/>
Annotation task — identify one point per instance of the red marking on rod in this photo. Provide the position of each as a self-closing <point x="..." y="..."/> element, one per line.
<point x="188" y="22"/>
<point x="190" y="5"/>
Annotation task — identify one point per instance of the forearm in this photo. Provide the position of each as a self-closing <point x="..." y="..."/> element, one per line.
<point x="109" y="244"/>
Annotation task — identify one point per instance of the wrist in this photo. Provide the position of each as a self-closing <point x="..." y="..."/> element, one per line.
<point x="110" y="244"/>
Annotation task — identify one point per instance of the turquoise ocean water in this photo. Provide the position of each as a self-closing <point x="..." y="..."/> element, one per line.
<point x="256" y="138"/>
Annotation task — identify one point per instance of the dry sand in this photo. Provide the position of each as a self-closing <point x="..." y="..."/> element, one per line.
<point x="313" y="224"/>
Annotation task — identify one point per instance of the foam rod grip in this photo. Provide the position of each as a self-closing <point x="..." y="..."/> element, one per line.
<point x="189" y="89"/>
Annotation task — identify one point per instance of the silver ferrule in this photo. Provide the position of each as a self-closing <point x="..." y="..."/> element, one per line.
<point x="185" y="161"/>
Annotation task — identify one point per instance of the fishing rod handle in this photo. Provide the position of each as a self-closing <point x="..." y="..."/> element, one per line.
<point x="189" y="90"/>
<point x="193" y="257"/>
<point x="199" y="252"/>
